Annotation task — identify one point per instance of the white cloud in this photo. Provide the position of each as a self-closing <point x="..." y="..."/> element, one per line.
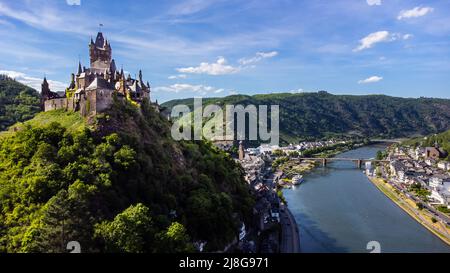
<point x="415" y="12"/>
<point x="184" y="87"/>
<point x="374" y="2"/>
<point x="218" y="68"/>
<point x="179" y="76"/>
<point x="190" y="7"/>
<point x="380" y="36"/>
<point x="221" y="67"/>
<point x="372" y="39"/>
<point x="371" y="80"/>
<point x="407" y="36"/>
<point x="258" y="57"/>
<point x="73" y="2"/>
<point x="295" y="91"/>
<point x="32" y="81"/>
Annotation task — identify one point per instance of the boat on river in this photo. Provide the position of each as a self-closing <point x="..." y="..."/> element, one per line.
<point x="297" y="180"/>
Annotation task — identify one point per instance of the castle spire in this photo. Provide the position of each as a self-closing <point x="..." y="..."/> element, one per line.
<point x="79" y="69"/>
<point x="112" y="67"/>
<point x="45" y="83"/>
<point x="100" y="40"/>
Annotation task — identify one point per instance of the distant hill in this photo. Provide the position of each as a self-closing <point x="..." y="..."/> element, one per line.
<point x="18" y="102"/>
<point x="115" y="183"/>
<point x="316" y="115"/>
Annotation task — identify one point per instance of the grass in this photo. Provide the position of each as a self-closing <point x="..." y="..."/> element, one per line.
<point x="72" y="121"/>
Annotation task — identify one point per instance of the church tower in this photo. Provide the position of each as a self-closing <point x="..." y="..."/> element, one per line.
<point x="241" y="151"/>
<point x="100" y="54"/>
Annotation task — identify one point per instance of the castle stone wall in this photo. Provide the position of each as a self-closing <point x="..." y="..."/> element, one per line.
<point x="104" y="99"/>
<point x="54" y="104"/>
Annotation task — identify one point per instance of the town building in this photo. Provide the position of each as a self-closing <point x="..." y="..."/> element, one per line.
<point x="435" y="152"/>
<point x="444" y="165"/>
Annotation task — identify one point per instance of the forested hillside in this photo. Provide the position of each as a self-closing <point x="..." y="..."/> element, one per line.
<point x="118" y="184"/>
<point x="312" y="115"/>
<point x="18" y="102"/>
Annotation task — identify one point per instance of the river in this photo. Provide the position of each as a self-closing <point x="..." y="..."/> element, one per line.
<point x="339" y="210"/>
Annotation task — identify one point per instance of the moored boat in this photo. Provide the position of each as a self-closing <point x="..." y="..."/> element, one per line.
<point x="297" y="180"/>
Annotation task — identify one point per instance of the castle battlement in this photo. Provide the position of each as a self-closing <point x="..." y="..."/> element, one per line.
<point x="92" y="89"/>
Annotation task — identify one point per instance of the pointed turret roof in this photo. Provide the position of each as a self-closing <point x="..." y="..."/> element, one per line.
<point x="99" y="41"/>
<point x="112" y="67"/>
<point x="79" y="69"/>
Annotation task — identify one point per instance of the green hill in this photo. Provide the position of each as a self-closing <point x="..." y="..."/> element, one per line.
<point x="316" y="115"/>
<point x="117" y="184"/>
<point x="18" y="102"/>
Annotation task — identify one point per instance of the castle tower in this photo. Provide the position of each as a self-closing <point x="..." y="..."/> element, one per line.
<point x="45" y="89"/>
<point x="100" y="54"/>
<point x="46" y="93"/>
<point x="72" y="81"/>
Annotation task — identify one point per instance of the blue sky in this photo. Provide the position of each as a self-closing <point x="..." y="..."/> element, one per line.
<point x="215" y="47"/>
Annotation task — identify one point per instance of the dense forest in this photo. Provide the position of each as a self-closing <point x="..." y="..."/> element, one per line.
<point x="321" y="114"/>
<point x="18" y="102"/>
<point x="118" y="183"/>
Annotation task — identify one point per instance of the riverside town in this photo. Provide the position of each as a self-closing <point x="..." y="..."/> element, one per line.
<point x="211" y="135"/>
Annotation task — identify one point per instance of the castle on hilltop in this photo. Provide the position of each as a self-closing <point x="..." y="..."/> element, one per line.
<point x="92" y="89"/>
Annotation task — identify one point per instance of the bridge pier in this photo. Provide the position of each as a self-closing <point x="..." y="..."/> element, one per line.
<point x="359" y="163"/>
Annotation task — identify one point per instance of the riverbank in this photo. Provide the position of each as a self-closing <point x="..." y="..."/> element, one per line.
<point x="421" y="216"/>
<point x="293" y="167"/>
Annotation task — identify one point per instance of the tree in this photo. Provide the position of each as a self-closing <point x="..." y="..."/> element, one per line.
<point x="419" y="206"/>
<point x="66" y="218"/>
<point x="174" y="240"/>
<point x="278" y="153"/>
<point x="52" y="236"/>
<point x="130" y="231"/>
<point x="125" y="157"/>
<point x="380" y="155"/>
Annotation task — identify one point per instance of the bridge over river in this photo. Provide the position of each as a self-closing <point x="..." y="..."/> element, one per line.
<point x="358" y="161"/>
